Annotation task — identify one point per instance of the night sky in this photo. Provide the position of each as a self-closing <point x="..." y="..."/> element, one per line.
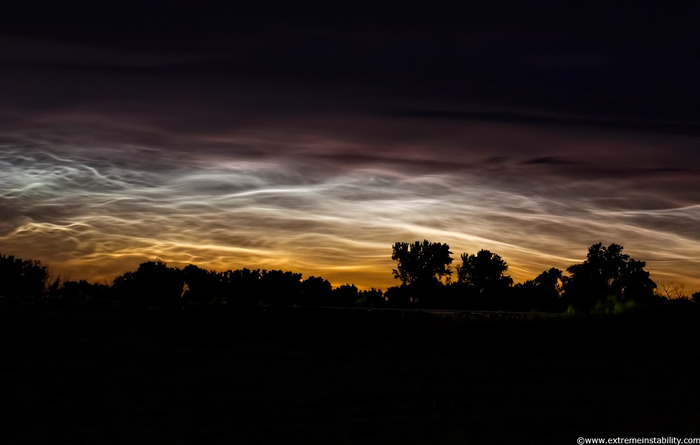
<point x="291" y="136"/>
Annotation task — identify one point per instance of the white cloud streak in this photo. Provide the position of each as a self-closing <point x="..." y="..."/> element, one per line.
<point x="95" y="207"/>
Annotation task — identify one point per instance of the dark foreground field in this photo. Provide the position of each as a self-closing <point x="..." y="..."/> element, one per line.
<point x="333" y="376"/>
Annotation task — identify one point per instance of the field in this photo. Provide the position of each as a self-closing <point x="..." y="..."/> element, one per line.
<point x="303" y="376"/>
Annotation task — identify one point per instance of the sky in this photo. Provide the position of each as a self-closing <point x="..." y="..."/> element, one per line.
<point x="295" y="136"/>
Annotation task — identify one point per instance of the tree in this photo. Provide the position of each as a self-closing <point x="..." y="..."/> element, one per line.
<point x="20" y="278"/>
<point x="277" y="287"/>
<point x="345" y="295"/>
<point x="549" y="283"/>
<point x="241" y="286"/>
<point x="82" y="292"/>
<point x="608" y="275"/>
<point x="543" y="293"/>
<point x="153" y="284"/>
<point x="484" y="272"/>
<point x="315" y="291"/>
<point x="422" y="264"/>
<point x="201" y="285"/>
<point x="696" y="297"/>
<point x="670" y="290"/>
<point x="372" y="297"/>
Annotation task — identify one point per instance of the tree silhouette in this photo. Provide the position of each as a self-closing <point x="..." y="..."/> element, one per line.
<point x="277" y="287"/>
<point x="542" y="293"/>
<point x="346" y="295"/>
<point x="315" y="291"/>
<point x="422" y="264"/>
<point x="82" y="292"/>
<point x="371" y="298"/>
<point x="200" y="285"/>
<point x="241" y="286"/>
<point x="607" y="281"/>
<point x="670" y="290"/>
<point x="20" y="278"/>
<point x="608" y="275"/>
<point x="153" y="284"/>
<point x="484" y="272"/>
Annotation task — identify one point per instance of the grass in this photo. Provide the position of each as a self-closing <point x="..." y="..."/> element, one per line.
<point x="235" y="375"/>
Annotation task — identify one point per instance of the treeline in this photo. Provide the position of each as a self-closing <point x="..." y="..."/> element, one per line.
<point x="156" y="285"/>
<point x="608" y="281"/>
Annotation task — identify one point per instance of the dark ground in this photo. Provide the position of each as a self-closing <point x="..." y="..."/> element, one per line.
<point x="235" y="375"/>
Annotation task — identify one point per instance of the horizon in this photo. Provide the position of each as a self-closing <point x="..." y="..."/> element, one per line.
<point x="312" y="139"/>
<point x="676" y="289"/>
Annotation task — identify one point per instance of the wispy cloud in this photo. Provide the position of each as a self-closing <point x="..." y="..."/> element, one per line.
<point x="331" y="203"/>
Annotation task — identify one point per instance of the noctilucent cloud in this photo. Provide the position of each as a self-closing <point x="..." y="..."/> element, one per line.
<point x="314" y="148"/>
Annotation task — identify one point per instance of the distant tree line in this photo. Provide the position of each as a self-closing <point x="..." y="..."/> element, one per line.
<point x="154" y="284"/>
<point x="607" y="281"/>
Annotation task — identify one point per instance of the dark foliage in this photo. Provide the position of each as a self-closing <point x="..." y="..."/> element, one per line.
<point x="278" y="287"/>
<point x="241" y="286"/>
<point x="608" y="281"/>
<point x="346" y="295"/>
<point x="315" y="291"/>
<point x="483" y="281"/>
<point x="608" y="276"/>
<point x="542" y="294"/>
<point x="402" y="296"/>
<point x="201" y="285"/>
<point x="484" y="272"/>
<point x="22" y="278"/>
<point x="370" y="298"/>
<point x="84" y="293"/>
<point x="696" y="297"/>
<point x="153" y="284"/>
<point x="421" y="264"/>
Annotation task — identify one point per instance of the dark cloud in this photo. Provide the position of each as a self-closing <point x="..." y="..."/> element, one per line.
<point x="629" y="68"/>
<point x="550" y="160"/>
<point x="683" y="128"/>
